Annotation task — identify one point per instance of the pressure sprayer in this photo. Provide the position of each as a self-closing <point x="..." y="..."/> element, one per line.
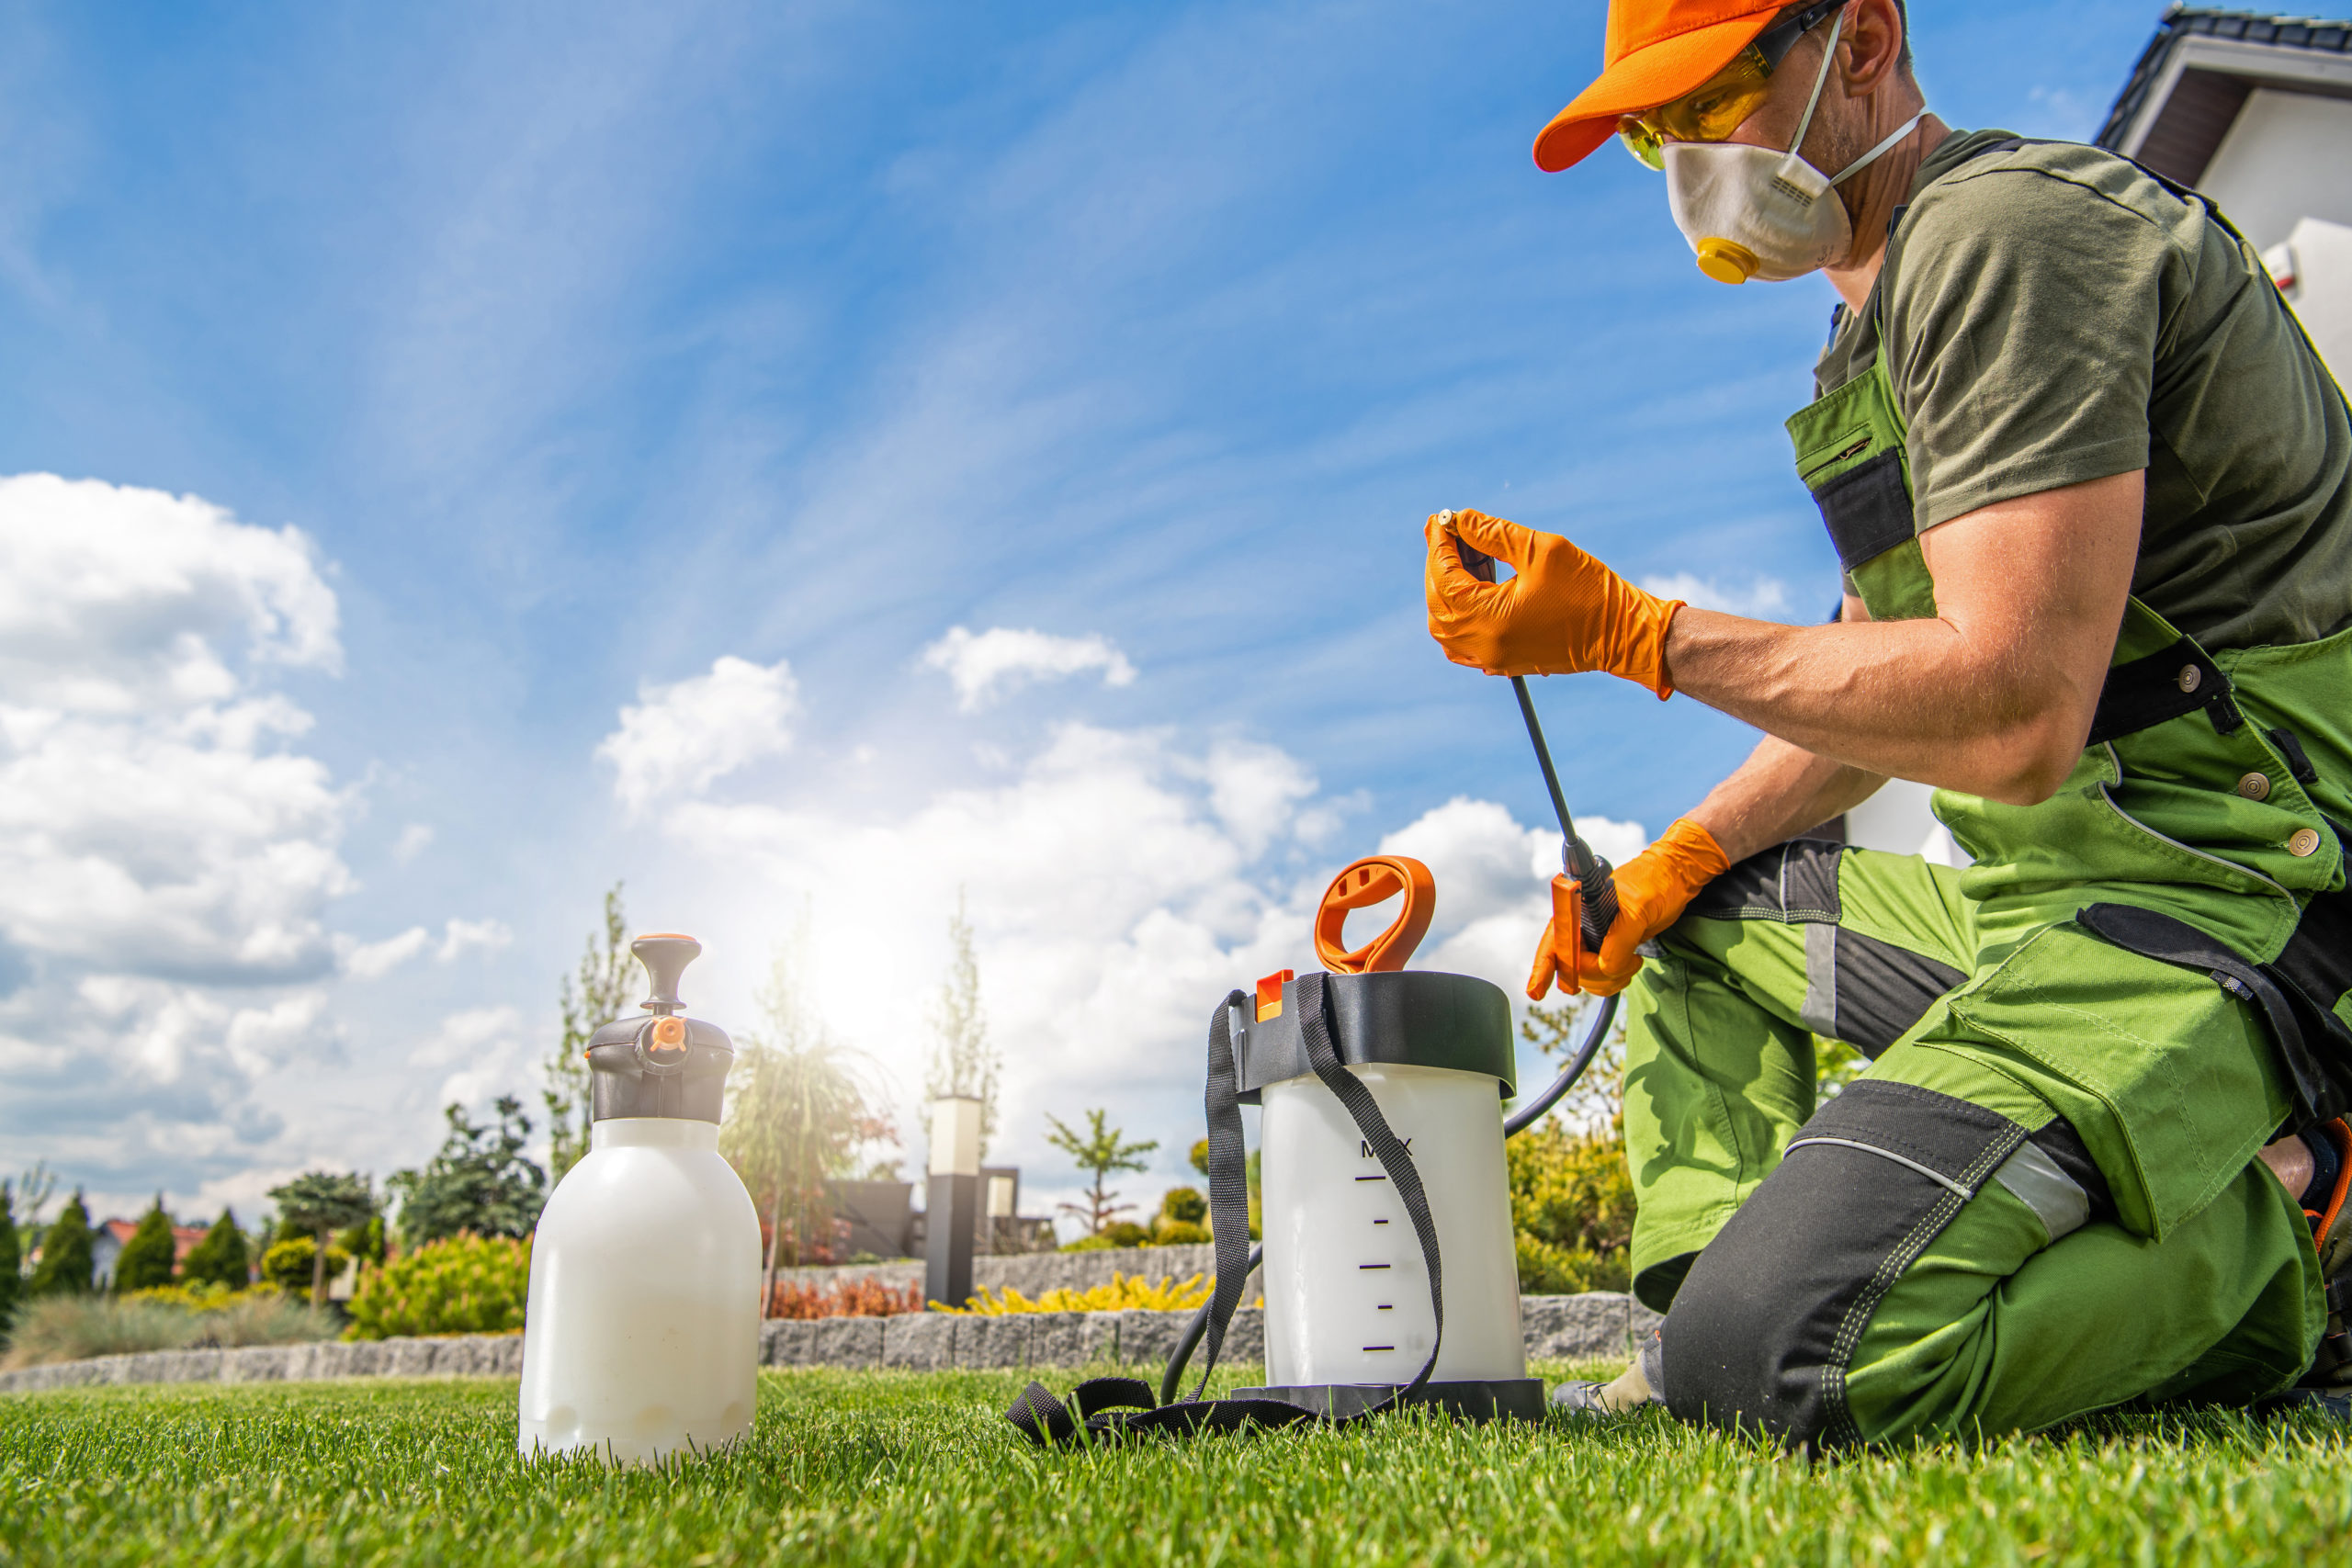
<point x="1389" y="1266"/>
<point x="642" y="1335"/>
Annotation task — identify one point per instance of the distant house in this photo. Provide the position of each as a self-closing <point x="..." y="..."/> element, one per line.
<point x="110" y="1236"/>
<point x="2255" y="112"/>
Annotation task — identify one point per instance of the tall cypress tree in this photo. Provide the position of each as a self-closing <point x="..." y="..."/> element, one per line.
<point x="146" y="1259"/>
<point x="12" y="1283"/>
<point x="65" y="1264"/>
<point x="222" y="1258"/>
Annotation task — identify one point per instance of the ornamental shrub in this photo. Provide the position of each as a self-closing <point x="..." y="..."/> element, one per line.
<point x="1185" y="1204"/>
<point x="286" y="1265"/>
<point x="466" y="1284"/>
<point x="1572" y="1206"/>
<point x="863" y="1297"/>
<point x="1122" y="1294"/>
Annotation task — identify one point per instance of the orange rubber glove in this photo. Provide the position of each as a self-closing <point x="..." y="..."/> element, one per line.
<point x="1652" y="888"/>
<point x="1563" y="613"/>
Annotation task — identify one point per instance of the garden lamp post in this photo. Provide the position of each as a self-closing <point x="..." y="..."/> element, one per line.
<point x="953" y="1199"/>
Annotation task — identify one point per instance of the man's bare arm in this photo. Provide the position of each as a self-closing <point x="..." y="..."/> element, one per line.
<point x="1992" y="696"/>
<point x="1779" y="790"/>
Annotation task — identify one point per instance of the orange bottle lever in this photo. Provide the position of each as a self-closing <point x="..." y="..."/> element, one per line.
<point x="1374" y="880"/>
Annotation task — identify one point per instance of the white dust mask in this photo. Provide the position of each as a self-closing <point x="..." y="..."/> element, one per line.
<point x="1753" y="212"/>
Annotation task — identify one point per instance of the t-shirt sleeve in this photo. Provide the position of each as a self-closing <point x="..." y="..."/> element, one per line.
<point x="2022" y="338"/>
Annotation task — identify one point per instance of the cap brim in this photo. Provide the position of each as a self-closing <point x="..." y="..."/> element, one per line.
<point x="1658" y="74"/>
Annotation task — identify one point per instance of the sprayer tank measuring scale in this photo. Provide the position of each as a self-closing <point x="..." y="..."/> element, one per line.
<point x="642" y="1335"/>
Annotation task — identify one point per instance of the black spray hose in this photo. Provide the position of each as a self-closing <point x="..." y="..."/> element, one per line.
<point x="1519" y="1122"/>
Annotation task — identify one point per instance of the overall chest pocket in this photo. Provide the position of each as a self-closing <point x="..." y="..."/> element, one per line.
<point x="1866" y="508"/>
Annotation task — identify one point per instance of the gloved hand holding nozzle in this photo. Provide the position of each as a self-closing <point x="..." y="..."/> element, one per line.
<point x="1601" y="916"/>
<point x="1563" y="614"/>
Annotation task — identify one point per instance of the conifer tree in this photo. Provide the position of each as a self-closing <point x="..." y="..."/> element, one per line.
<point x="609" y="974"/>
<point x="963" y="1060"/>
<point x="146" y="1259"/>
<point x="222" y="1258"/>
<point x="65" y="1263"/>
<point x="12" y="1284"/>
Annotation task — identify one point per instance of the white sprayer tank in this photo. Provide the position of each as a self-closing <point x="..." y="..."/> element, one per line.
<point x="1347" y="1292"/>
<point x="1346" y="1289"/>
<point x="642" y="1335"/>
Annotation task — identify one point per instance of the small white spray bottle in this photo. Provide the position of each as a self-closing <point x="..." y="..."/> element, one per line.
<point x="641" y="1336"/>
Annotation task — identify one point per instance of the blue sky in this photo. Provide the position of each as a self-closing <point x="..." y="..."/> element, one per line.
<point x="587" y="346"/>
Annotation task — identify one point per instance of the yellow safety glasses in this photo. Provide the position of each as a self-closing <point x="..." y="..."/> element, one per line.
<point x="1729" y="96"/>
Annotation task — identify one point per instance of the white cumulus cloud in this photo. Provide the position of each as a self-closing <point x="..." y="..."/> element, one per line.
<point x="168" y="850"/>
<point x="680" y="737"/>
<point x="1763" y="598"/>
<point x="985" y="665"/>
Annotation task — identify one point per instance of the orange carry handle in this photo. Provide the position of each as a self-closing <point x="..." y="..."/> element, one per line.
<point x="1371" y="881"/>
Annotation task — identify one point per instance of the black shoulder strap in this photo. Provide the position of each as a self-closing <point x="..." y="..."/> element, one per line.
<point x="1115" y="1407"/>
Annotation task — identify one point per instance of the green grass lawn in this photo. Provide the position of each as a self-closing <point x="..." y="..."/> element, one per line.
<point x="907" y="1468"/>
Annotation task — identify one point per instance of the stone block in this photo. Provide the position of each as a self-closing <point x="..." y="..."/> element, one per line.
<point x="994" y="1341"/>
<point x="254" y="1363"/>
<point x="786" y="1341"/>
<point x="1245" y="1340"/>
<point x="1579" y="1327"/>
<point x="1147" y="1338"/>
<point x="1058" y="1338"/>
<point x="846" y="1342"/>
<point x="918" y="1341"/>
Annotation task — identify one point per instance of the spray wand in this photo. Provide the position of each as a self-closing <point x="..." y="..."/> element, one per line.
<point x="1596" y="876"/>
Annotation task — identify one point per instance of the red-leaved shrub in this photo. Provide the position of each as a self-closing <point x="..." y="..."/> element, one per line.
<point x="863" y="1297"/>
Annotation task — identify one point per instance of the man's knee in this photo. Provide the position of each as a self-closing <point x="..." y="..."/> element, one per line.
<point x="1763" y="1330"/>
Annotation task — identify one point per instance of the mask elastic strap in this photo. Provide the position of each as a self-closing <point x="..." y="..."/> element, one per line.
<point x="1820" y="80"/>
<point x="1867" y="159"/>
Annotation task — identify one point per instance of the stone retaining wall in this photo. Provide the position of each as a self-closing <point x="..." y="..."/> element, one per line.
<point x="1602" y="1324"/>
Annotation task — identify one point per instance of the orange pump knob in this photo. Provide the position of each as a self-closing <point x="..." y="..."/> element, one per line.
<point x="1374" y="880"/>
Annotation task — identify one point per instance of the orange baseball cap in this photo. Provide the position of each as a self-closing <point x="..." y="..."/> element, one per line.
<point x="1654" y="52"/>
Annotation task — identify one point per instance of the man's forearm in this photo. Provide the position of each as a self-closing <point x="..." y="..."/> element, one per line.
<point x="1779" y="790"/>
<point x="1897" y="697"/>
<point x="1991" y="696"/>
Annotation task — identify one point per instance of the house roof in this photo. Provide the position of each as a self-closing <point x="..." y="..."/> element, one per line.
<point x="183" y="1236"/>
<point x="2190" y="82"/>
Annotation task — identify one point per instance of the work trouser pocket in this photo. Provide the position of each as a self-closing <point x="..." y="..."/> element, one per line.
<point x="2170" y="1080"/>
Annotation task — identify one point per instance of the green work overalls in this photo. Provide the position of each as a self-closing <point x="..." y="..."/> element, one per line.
<point x="2042" y="1198"/>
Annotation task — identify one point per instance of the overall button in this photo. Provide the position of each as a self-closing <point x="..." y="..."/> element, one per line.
<point x="2190" y="676"/>
<point x="2305" y="840"/>
<point x="2255" y="786"/>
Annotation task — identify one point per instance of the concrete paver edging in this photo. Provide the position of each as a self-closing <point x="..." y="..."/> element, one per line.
<point x="1599" y="1324"/>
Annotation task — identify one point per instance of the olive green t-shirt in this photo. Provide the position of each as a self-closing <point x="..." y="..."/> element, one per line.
<point x="2055" y="315"/>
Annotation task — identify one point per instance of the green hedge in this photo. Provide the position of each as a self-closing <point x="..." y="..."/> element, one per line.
<point x="467" y="1284"/>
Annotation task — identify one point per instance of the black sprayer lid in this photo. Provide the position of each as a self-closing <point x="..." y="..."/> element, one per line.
<point x="659" y="1062"/>
<point x="1402" y="1018"/>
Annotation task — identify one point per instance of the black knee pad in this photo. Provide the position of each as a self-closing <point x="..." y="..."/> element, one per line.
<point x="1764" y="1324"/>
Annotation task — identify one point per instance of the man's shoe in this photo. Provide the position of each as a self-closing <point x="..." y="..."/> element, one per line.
<point x="1580" y="1399"/>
